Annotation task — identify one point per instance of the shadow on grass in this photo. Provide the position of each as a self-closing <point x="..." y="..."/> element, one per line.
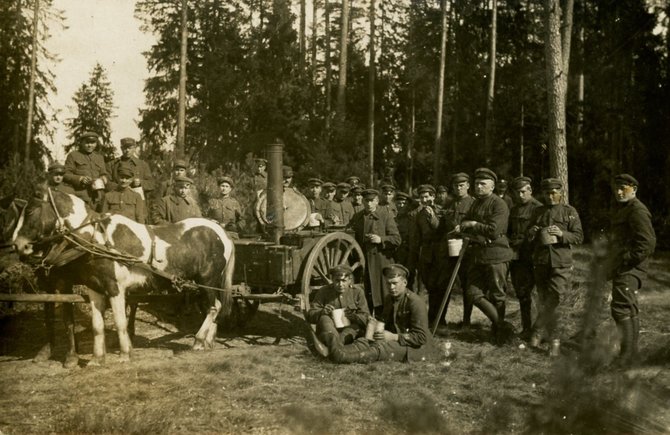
<point x="415" y="415"/>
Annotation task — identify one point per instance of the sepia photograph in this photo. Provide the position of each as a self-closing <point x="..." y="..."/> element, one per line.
<point x="335" y="216"/>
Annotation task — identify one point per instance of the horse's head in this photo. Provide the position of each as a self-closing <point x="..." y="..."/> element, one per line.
<point x="9" y="218"/>
<point x="43" y="216"/>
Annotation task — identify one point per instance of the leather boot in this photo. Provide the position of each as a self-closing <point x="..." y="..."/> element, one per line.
<point x="526" y="318"/>
<point x="315" y="345"/>
<point x="628" y="349"/>
<point x="360" y="351"/>
<point x="492" y="313"/>
<point x="467" y="309"/>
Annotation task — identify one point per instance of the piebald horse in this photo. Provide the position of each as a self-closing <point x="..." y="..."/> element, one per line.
<point x="114" y="255"/>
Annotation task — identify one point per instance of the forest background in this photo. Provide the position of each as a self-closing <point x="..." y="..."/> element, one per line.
<point x="262" y="70"/>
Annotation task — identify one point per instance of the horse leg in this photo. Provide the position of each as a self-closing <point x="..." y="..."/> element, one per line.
<point x="98" y="321"/>
<point x="131" y="319"/>
<point x="72" y="357"/>
<point x="118" y="304"/>
<point x="202" y="338"/>
<point x="211" y="333"/>
<point x="45" y="352"/>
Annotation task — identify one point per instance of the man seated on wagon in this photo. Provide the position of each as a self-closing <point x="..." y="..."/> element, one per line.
<point x="123" y="200"/>
<point x="340" y="294"/>
<point x="178" y="205"/>
<point x="405" y="336"/>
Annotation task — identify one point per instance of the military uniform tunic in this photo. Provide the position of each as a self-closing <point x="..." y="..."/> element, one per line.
<point x="407" y="317"/>
<point x="632" y="242"/>
<point x="226" y="211"/>
<point x="139" y="168"/>
<point x="521" y="267"/>
<point x="173" y="208"/>
<point x="126" y="202"/>
<point x="78" y="165"/>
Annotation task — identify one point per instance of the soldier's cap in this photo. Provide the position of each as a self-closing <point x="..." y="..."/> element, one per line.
<point x="127" y="142"/>
<point x="287" y="171"/>
<point x="315" y="182"/>
<point x="401" y="195"/>
<point x="502" y="183"/>
<point x="460" y="177"/>
<point x="551" y="183"/>
<point x="441" y="189"/>
<point x="395" y="270"/>
<point x="356" y="190"/>
<point x="259" y="160"/>
<point x="89" y="136"/>
<point x="485" y="174"/>
<point x="370" y="193"/>
<point x="226" y="179"/>
<point x="426" y="188"/>
<point x="520" y="182"/>
<point x="124" y="171"/>
<point x="340" y="270"/>
<point x="181" y="180"/>
<point x="328" y="186"/>
<point x="387" y="187"/>
<point x="180" y="163"/>
<point x="626" y="179"/>
<point x="353" y="179"/>
<point x="57" y="168"/>
<point x="344" y="186"/>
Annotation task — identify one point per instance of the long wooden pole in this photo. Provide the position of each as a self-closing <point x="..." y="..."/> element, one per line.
<point x="181" y="115"/>
<point x="31" y="87"/>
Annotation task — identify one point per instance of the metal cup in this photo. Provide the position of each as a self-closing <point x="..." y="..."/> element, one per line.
<point x="339" y="318"/>
<point x="546" y="238"/>
<point x="98" y="184"/>
<point x="370" y="329"/>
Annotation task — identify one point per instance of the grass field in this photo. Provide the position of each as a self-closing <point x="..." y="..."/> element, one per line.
<point x="263" y="379"/>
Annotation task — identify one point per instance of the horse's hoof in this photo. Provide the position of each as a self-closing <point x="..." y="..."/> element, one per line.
<point x="71" y="361"/>
<point x="43" y="355"/>
<point x="124" y="357"/>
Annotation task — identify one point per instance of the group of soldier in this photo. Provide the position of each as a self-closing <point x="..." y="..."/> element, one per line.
<point x="505" y="236"/>
<point x="405" y="240"/>
<point x="126" y="186"/>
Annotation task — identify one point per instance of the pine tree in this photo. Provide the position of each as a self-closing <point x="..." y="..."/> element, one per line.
<point x="94" y="102"/>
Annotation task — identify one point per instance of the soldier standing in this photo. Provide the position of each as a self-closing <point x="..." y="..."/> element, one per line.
<point x="260" y="176"/>
<point x="553" y="228"/>
<point x="178" y="205"/>
<point x="404" y="221"/>
<point x="489" y="253"/>
<point x="318" y="205"/>
<point x="423" y="253"/>
<point x="386" y="200"/>
<point x="442" y="197"/>
<point x="377" y="233"/>
<point x="501" y="191"/>
<point x="225" y="209"/>
<point x="341" y="205"/>
<point x="452" y="217"/>
<point x="632" y="241"/>
<point x="356" y="195"/>
<point x="123" y="200"/>
<point x="86" y="171"/>
<point x="521" y="267"/>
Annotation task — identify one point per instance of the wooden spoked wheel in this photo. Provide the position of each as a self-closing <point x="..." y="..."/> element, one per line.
<point x="331" y="250"/>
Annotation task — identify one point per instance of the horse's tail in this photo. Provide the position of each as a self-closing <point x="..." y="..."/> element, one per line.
<point x="226" y="296"/>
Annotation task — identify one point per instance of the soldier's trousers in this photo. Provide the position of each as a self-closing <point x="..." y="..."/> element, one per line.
<point x="551" y="283"/>
<point x="487" y="281"/>
<point x="624" y="296"/>
<point x="326" y="326"/>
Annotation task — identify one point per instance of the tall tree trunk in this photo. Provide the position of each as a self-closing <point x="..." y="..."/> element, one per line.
<point x="329" y="75"/>
<point x="371" y="96"/>
<point x="341" y="103"/>
<point x="410" y="146"/>
<point x="437" y="145"/>
<point x="302" y="40"/>
<point x="490" y="94"/>
<point x="557" y="56"/>
<point x="31" y="87"/>
<point x="181" y="116"/>
<point x="313" y="43"/>
<point x="580" y="80"/>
